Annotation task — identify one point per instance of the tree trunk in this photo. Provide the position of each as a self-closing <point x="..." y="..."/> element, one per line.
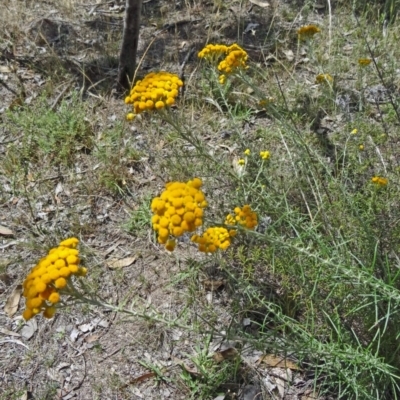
<point x="127" y="58"/>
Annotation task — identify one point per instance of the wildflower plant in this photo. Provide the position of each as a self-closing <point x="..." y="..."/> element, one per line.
<point x="50" y="278"/>
<point x="180" y="209"/>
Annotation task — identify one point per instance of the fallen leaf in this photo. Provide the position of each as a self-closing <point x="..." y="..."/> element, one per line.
<point x="5" y="278"/>
<point x="5" y="231"/>
<point x="29" y="329"/>
<point x="278" y="362"/>
<point x="74" y="334"/>
<point x="310" y="395"/>
<point x="4" y="69"/>
<point x="9" y="333"/>
<point x="143" y="377"/>
<point x="259" y="3"/>
<point x="112" y="248"/>
<point x="227" y="354"/>
<point x="14" y="341"/>
<point x="125" y="262"/>
<point x="62" y="366"/>
<point x="54" y="375"/>
<point x="92" y="338"/>
<point x="86" y="327"/>
<point x="213" y="285"/>
<point x="192" y="371"/>
<point x="281" y="377"/>
<point x="289" y="54"/>
<point x="11" y="306"/>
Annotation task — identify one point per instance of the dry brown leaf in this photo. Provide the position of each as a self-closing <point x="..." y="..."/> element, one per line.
<point x="18" y="102"/>
<point x="5" y="277"/>
<point x="259" y="3"/>
<point x="12" y="302"/>
<point x="213" y="285"/>
<point x="125" y="262"/>
<point x="92" y="338"/>
<point x="227" y="354"/>
<point x="278" y="362"/>
<point x="143" y="377"/>
<point x="192" y="371"/>
<point x="310" y="395"/>
<point x="5" y="231"/>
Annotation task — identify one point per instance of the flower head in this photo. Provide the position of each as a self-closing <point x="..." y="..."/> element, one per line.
<point x="324" y="79"/>
<point x="43" y="285"/>
<point x="307" y="31"/>
<point x="235" y="58"/>
<point x="380" y="181"/>
<point x="265" y="154"/>
<point x="154" y="91"/>
<point x="177" y="210"/>
<point x="214" y="238"/>
<point x="354" y="131"/>
<point x="244" y="216"/>
<point x="363" y="62"/>
<point x="247" y="152"/>
<point x="241" y="161"/>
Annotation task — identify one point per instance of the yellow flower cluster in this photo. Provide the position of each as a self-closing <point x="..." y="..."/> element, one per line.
<point x="307" y="31"/>
<point x="265" y="154"/>
<point x="179" y="209"/>
<point x="214" y="238"/>
<point x="155" y="91"/>
<point x="363" y="62"/>
<point x="235" y="58"/>
<point x="379" y="180"/>
<point x="49" y="276"/>
<point x="323" y="78"/>
<point x="213" y="51"/>
<point x="243" y="216"/>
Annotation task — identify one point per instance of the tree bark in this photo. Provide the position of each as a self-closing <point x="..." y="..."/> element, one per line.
<point x="130" y="37"/>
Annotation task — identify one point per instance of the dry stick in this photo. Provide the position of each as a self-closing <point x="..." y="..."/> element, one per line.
<point x="330" y="26"/>
<point x="8" y="87"/>
<point x="59" y="97"/>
